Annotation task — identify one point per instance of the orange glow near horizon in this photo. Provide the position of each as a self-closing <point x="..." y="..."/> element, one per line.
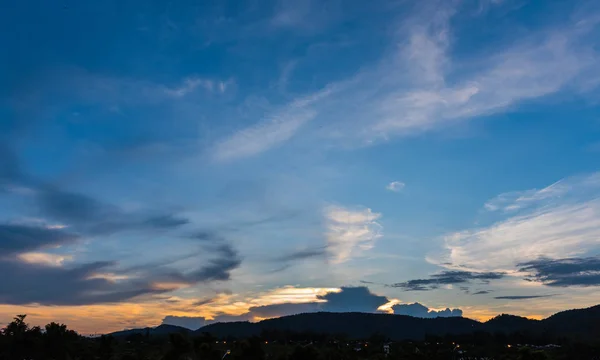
<point x="92" y="319"/>
<point x="97" y="319"/>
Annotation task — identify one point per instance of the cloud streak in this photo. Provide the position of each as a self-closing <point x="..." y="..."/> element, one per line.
<point x="270" y="132"/>
<point x="435" y="281"/>
<point x="350" y="232"/>
<point x="564" y="272"/>
<point x="536" y="66"/>
<point x="556" y="222"/>
<point x="17" y="239"/>
<point x="521" y="297"/>
<point x="54" y="285"/>
<point x="95" y="217"/>
<point x="418" y="87"/>
<point x="303" y="254"/>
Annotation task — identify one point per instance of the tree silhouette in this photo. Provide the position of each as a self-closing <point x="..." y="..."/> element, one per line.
<point x="19" y="341"/>
<point x="59" y="341"/>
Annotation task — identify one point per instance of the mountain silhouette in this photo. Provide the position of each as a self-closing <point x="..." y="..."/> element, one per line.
<point x="160" y="330"/>
<point x="509" y="323"/>
<point x="582" y="324"/>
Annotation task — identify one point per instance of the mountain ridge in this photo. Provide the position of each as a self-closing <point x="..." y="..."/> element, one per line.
<point x="581" y="323"/>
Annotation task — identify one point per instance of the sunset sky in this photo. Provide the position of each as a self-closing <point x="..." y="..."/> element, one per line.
<point x="188" y="162"/>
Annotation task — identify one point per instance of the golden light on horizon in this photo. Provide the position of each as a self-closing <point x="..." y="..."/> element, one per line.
<point x="388" y="307"/>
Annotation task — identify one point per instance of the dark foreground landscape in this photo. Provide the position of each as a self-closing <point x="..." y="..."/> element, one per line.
<point x="573" y="334"/>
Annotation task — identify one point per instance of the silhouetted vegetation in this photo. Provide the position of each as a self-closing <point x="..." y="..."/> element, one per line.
<point x="514" y="338"/>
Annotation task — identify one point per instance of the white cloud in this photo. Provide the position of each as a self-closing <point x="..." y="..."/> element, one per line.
<point x="577" y="187"/>
<point x="395" y="186"/>
<point x="46" y="259"/>
<point x="531" y="69"/>
<point x="420" y="87"/>
<point x="350" y="232"/>
<point x="262" y="137"/>
<point x="270" y="132"/>
<point x="562" y="220"/>
<point x="191" y="84"/>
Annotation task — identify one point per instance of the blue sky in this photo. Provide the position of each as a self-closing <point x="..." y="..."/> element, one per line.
<point x="241" y="160"/>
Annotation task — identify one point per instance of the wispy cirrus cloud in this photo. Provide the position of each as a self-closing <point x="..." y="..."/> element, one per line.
<point x="191" y="84"/>
<point x="270" y="132"/>
<point x="518" y="200"/>
<point x="557" y="222"/>
<point x="529" y="69"/>
<point x="418" y="87"/>
<point x="350" y="232"/>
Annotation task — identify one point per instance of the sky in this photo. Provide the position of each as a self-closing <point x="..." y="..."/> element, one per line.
<point x="189" y="162"/>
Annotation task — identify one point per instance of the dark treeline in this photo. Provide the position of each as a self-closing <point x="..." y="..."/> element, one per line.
<point x="55" y="341"/>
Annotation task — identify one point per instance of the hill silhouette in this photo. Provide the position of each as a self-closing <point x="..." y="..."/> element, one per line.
<point x="506" y="323"/>
<point x="582" y="324"/>
<point x="354" y="325"/>
<point x="160" y="330"/>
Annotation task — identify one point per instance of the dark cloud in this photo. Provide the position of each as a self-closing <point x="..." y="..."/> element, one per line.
<point x="349" y="299"/>
<point x="79" y="211"/>
<point x="303" y="254"/>
<point x="358" y="299"/>
<point x="522" y="297"/>
<point x="166" y="221"/>
<point x="482" y="292"/>
<point x="189" y="322"/>
<point x="275" y="310"/>
<point x="35" y="283"/>
<point x="80" y="285"/>
<point x="422" y="311"/>
<point x="279" y="218"/>
<point x="224" y="259"/>
<point x="204" y="236"/>
<point x="204" y="301"/>
<point x="231" y="318"/>
<point x="16" y="239"/>
<point x="95" y="217"/>
<point x="46" y="285"/>
<point x="447" y="278"/>
<point x="564" y="272"/>
<point x="219" y="268"/>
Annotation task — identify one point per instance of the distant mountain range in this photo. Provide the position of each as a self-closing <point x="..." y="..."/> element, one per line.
<point x="582" y="324"/>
